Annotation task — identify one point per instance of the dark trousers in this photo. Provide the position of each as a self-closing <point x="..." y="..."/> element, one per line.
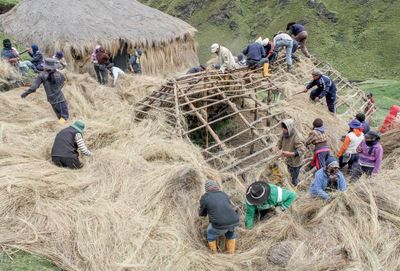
<point x="294" y="173"/>
<point x="97" y="71"/>
<point x="353" y="161"/>
<point x="330" y="99"/>
<point x="322" y="157"/>
<point x="61" y="110"/>
<point x="103" y="75"/>
<point x="358" y="170"/>
<point x="72" y="163"/>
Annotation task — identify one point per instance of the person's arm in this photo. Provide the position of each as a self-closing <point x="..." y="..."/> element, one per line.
<point x="378" y="160"/>
<point x="342" y="185"/>
<point x="316" y="187"/>
<point x="250" y="212"/>
<point x="299" y="148"/>
<point x="310" y="138"/>
<point x="30" y="54"/>
<point x="288" y="197"/>
<point x="344" y="147"/>
<point x="311" y="84"/>
<point x="203" y="207"/>
<point x="35" y="85"/>
<point x="81" y="145"/>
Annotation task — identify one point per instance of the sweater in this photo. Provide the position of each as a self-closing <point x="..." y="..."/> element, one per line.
<point x="67" y="143"/>
<point x="325" y="85"/>
<point x="278" y="197"/>
<point x="254" y="51"/>
<point x="320" y="184"/>
<point x="52" y="89"/>
<point x="373" y="159"/>
<point x="296" y="29"/>
<point x="217" y="206"/>
<point x="317" y="137"/>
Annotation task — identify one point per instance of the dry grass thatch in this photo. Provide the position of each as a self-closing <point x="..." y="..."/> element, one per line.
<point x="76" y="27"/>
<point x="134" y="204"/>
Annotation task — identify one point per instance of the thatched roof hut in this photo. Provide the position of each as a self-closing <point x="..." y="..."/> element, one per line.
<point x="77" y="26"/>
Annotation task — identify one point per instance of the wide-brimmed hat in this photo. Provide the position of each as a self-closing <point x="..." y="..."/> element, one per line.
<point x="79" y="126"/>
<point x="50" y="64"/>
<point x="257" y="193"/>
<point x="355" y="124"/>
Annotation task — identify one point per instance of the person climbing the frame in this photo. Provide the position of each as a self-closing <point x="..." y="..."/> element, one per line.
<point x="66" y="144"/>
<point x="53" y="81"/>
<point x="318" y="138"/>
<point x="223" y="218"/>
<point x="261" y="198"/>
<point x="325" y="88"/>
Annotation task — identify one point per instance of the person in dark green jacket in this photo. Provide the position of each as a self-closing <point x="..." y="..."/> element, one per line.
<point x="262" y="197"/>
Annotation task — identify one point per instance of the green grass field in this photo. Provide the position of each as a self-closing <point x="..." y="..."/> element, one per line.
<point x="23" y="261"/>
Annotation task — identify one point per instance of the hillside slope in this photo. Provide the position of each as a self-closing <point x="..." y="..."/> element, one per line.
<point x="359" y="37"/>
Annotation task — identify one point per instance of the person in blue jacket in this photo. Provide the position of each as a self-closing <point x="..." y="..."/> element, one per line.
<point x="255" y="55"/>
<point x="328" y="179"/>
<point x="325" y="88"/>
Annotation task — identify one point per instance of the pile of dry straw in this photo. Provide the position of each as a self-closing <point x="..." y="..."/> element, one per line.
<point x="134" y="204"/>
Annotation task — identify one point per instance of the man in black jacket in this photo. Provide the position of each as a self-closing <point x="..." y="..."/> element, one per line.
<point x="66" y="144"/>
<point x="223" y="218"/>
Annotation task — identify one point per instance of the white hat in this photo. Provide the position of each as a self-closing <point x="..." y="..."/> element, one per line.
<point x="265" y="42"/>
<point x="259" y="40"/>
<point x="214" y="47"/>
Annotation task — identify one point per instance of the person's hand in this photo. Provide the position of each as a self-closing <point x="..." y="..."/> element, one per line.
<point x="287" y="154"/>
<point x="23" y="95"/>
<point x="316" y="100"/>
<point x="305" y="91"/>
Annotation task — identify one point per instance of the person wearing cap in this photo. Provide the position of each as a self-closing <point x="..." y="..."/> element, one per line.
<point x="53" y="81"/>
<point x="255" y="55"/>
<point x="365" y="126"/>
<point x="284" y="40"/>
<point x="325" y="88"/>
<point x="292" y="148"/>
<point x="9" y="54"/>
<point x="62" y="63"/>
<point x="222" y="217"/>
<point x="370" y="153"/>
<point x="197" y="69"/>
<point x="328" y="178"/>
<point x="299" y="33"/>
<point x="262" y="197"/>
<point x="348" y="152"/>
<point x="319" y="139"/>
<point x="225" y="57"/>
<point x="66" y="145"/>
<point x="135" y="64"/>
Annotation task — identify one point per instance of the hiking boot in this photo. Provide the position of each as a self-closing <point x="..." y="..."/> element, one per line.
<point x="289" y="69"/>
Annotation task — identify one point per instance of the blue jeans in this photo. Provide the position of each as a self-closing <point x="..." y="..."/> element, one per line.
<point x="213" y="234"/>
<point x="294" y="173"/>
<point x="289" y="46"/>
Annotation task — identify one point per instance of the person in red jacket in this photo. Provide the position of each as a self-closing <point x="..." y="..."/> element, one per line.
<point x="103" y="59"/>
<point x="392" y="120"/>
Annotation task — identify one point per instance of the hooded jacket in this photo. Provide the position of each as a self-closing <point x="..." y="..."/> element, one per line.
<point x="226" y="59"/>
<point x="277" y="197"/>
<point x="390" y="121"/>
<point x="370" y="156"/>
<point x="292" y="143"/>
<point x="52" y="88"/>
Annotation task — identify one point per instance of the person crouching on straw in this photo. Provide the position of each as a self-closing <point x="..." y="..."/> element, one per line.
<point x="66" y="144"/>
<point x="261" y="198"/>
<point x="53" y="81"/>
<point x="223" y="218"/>
<point x="328" y="179"/>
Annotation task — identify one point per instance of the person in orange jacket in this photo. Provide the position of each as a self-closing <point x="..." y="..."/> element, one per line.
<point x="348" y="154"/>
<point x="392" y="119"/>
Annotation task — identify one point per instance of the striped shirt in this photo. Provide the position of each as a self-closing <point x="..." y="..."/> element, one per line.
<point x="81" y="145"/>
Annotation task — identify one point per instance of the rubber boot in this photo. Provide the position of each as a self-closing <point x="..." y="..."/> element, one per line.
<point x="230" y="246"/>
<point x="62" y="121"/>
<point x="289" y="68"/>
<point x="266" y="70"/>
<point x="213" y="246"/>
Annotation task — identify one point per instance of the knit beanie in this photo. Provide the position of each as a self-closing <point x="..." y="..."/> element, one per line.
<point x="211" y="186"/>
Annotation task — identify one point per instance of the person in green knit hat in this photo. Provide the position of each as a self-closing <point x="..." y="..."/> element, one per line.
<point x="262" y="197"/>
<point x="66" y="145"/>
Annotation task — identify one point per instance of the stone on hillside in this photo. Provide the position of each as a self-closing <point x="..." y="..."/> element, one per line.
<point x="185" y="10"/>
<point x="311" y="4"/>
<point x="322" y="11"/>
<point x="223" y="14"/>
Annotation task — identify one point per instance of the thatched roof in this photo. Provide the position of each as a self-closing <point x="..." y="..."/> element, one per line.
<point x="57" y="23"/>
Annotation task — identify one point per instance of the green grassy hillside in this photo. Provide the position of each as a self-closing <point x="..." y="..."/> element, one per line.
<point x="359" y="37"/>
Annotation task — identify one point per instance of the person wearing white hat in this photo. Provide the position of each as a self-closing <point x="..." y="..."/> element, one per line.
<point x="225" y="57"/>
